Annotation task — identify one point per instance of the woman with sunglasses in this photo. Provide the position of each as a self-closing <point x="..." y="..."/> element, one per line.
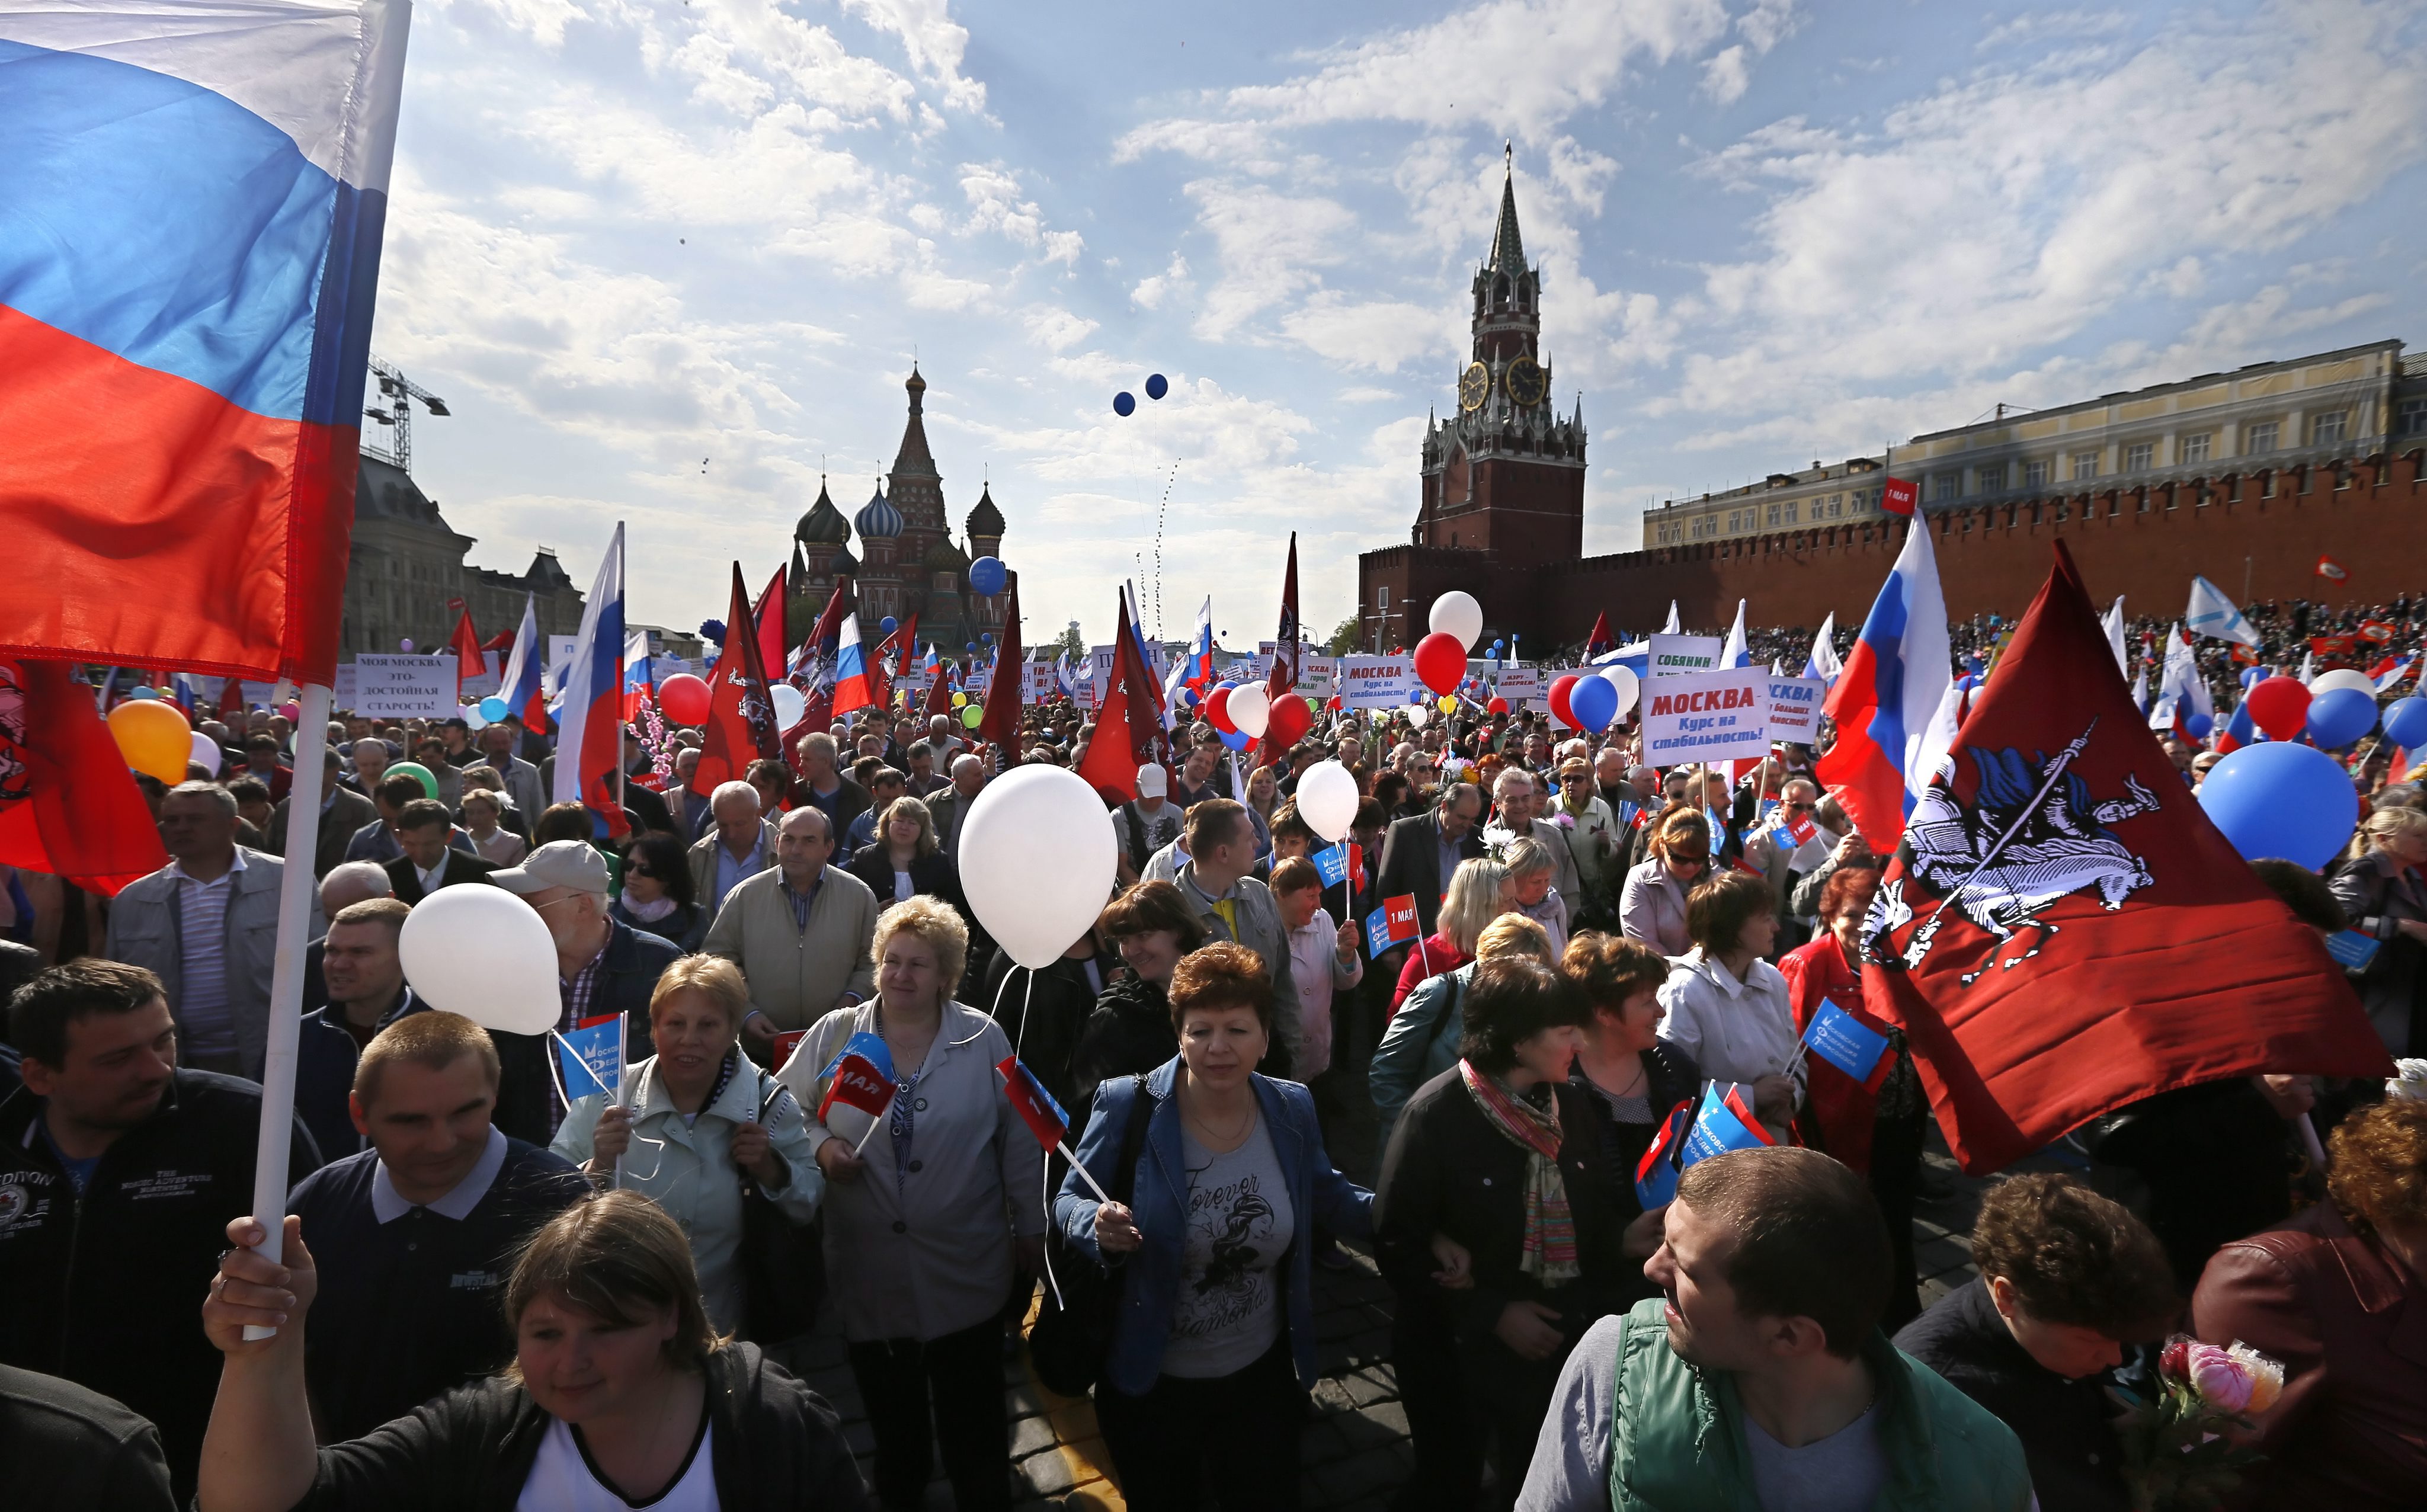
<point x="657" y="896"/>
<point x="1651" y="905"/>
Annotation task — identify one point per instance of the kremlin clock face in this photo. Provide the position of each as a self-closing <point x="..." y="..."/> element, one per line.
<point x="1526" y="385"/>
<point x="1473" y="386"/>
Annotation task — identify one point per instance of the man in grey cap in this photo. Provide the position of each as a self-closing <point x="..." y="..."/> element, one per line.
<point x="603" y="967"/>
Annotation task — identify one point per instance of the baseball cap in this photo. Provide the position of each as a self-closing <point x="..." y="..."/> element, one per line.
<point x="1151" y="781"/>
<point x="574" y="864"/>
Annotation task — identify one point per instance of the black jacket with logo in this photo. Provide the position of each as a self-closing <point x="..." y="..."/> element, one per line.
<point x="107" y="1289"/>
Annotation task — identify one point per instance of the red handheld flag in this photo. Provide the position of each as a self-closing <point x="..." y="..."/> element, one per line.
<point x="1128" y="731"/>
<point x="1034" y="1105"/>
<point x="469" y="660"/>
<point x="774" y="629"/>
<point x="2064" y="931"/>
<point x="67" y="805"/>
<point x="1898" y="497"/>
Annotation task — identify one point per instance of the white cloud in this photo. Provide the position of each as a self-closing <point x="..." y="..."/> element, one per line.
<point x="1373" y="333"/>
<point x="1057" y="330"/>
<point x="995" y="204"/>
<point x="1269" y="243"/>
<point x="1726" y="75"/>
<point x="1150" y="291"/>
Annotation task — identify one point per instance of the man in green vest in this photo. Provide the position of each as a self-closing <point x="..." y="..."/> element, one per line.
<point x="1759" y="1380"/>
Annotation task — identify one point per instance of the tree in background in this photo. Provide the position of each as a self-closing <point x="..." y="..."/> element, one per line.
<point x="1343" y="638"/>
<point x="1071" y="642"/>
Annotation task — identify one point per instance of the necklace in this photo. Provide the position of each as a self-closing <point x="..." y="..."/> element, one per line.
<point x="1226" y="1138"/>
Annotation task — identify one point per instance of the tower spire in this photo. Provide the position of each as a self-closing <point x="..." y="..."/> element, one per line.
<point x="1508" y="246"/>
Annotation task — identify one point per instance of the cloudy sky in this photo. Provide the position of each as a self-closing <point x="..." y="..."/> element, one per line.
<point x="667" y="260"/>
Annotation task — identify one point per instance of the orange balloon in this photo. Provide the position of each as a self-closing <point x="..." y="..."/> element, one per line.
<point x="154" y="735"/>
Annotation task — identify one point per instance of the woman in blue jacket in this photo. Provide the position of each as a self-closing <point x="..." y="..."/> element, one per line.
<point x="1214" y="1338"/>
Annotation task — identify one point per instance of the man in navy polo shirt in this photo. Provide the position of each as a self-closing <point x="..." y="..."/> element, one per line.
<point x="415" y="1236"/>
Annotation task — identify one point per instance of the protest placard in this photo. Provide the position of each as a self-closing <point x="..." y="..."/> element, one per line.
<point x="1795" y="709"/>
<point x="1706" y="716"/>
<point x="1376" y="682"/>
<point x="1523" y="687"/>
<point x="404" y="687"/>
<point x="1677" y="654"/>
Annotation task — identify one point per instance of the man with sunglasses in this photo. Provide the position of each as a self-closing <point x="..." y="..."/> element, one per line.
<point x="1771" y="849"/>
<point x="1589" y="831"/>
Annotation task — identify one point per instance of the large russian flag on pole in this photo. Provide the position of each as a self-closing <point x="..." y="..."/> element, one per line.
<point x="590" y="731"/>
<point x="191" y="201"/>
<point x="526" y="664"/>
<point x="1885" y="700"/>
<point x="851" y="690"/>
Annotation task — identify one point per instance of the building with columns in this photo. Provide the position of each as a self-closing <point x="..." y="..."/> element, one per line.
<point x="406" y="563"/>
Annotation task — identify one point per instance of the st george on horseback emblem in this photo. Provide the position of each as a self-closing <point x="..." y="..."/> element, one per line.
<point x="2032" y="836"/>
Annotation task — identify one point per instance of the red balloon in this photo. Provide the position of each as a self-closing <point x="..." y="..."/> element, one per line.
<point x="684" y="698"/>
<point x="2279" y="706"/>
<point x="1217" y="711"/>
<point x="1288" y="718"/>
<point x="1498" y="706"/>
<point x="1440" y="662"/>
<point x="1561" y="687"/>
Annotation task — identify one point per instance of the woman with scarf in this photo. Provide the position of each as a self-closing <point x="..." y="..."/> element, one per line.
<point x="1501" y="1156"/>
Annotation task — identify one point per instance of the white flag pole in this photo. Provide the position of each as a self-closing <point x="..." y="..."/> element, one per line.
<point x="296" y="888"/>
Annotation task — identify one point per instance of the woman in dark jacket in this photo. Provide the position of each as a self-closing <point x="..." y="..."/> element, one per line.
<point x="1043" y="1012"/>
<point x="613" y="1274"/>
<point x="1634" y="1078"/>
<point x="657" y="896"/>
<point x="1130" y="1033"/>
<point x="1500" y="1156"/>
<point x="2379" y="889"/>
<point x="905" y="861"/>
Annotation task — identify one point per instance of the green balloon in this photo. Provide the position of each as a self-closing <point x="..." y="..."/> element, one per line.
<point x="972" y="716"/>
<point x="418" y="773"/>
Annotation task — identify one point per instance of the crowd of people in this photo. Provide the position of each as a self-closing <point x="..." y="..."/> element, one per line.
<point x="500" y="1287"/>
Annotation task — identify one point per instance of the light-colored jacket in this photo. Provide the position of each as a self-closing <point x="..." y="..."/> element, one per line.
<point x="798" y="975"/>
<point x="1315" y="965"/>
<point x="1733" y="1031"/>
<point x="687" y="1169"/>
<point x="523" y="788"/>
<point x="1259" y="929"/>
<point x="924" y="1251"/>
<point x="703" y="865"/>
<point x="143" y="930"/>
<point x="1592" y="843"/>
<point x="1652" y="909"/>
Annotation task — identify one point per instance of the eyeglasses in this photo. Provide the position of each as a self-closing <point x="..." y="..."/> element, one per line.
<point x="640" y="871"/>
<point x="1800" y="808"/>
<point x="1680" y="858"/>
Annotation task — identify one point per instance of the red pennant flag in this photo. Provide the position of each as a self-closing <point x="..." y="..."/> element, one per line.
<point x="67" y="805"/>
<point x="469" y="663"/>
<point x="939" y="691"/>
<point x="1129" y="732"/>
<point x="1001" y="725"/>
<point x="1599" y="641"/>
<point x="1283" y="684"/>
<point x="740" y="724"/>
<point x="2063" y="931"/>
<point x="819" y="653"/>
<point x="892" y="659"/>
<point x="1898" y="497"/>
<point x="232" y="700"/>
<point x="2331" y="570"/>
<point x="775" y="639"/>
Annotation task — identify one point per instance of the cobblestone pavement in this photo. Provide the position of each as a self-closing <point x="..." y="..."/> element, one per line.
<point x="1354" y="1448"/>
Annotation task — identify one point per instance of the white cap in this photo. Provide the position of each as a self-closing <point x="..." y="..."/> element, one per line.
<point x="1152" y="782"/>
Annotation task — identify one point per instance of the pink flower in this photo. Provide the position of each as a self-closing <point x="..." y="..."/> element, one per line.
<point x="2266" y="1377"/>
<point x="2222" y="1380"/>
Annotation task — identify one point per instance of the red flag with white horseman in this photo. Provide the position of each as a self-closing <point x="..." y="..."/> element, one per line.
<point x="2062" y="930"/>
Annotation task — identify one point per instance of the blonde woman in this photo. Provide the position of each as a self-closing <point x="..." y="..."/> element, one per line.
<point x="904" y="860"/>
<point x="695" y="1119"/>
<point x="1479" y="892"/>
<point x="1652" y="906"/>
<point x="2379" y="888"/>
<point x="926" y="1208"/>
<point x="1423" y="1038"/>
<point x="484" y="814"/>
<point x="1531" y="865"/>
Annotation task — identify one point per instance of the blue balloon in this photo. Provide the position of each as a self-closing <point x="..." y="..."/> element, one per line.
<point x="2280" y="798"/>
<point x="709" y="630"/>
<point x="1156" y="387"/>
<point x="987" y="637"/>
<point x="1594" y="701"/>
<point x="969" y="645"/>
<point x="1417" y="696"/>
<point x="2339" y="718"/>
<point x="1124" y="404"/>
<point x="143" y="693"/>
<point x="2253" y="676"/>
<point x="1236" y="740"/>
<point x="493" y="708"/>
<point x="1188" y="697"/>
<point x="889" y="624"/>
<point x="986" y="575"/>
<point x="2197" y="725"/>
<point x="2405" y="724"/>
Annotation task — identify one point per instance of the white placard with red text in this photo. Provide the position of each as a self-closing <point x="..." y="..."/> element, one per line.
<point x="1706" y="716"/>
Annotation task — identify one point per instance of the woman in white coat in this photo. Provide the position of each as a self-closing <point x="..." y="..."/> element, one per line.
<point x="926" y="1208"/>
<point x="1729" y="1010"/>
<point x="696" y="1118"/>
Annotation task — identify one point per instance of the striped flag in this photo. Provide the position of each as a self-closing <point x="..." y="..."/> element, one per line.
<point x="1886" y="701"/>
<point x="590" y="739"/>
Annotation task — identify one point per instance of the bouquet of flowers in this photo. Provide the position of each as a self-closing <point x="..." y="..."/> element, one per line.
<point x="2188" y="1446"/>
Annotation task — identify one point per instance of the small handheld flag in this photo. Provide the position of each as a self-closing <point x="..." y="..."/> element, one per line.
<point x="1843" y="1040"/>
<point x="2352" y="950"/>
<point x="1034" y="1105"/>
<point x="1725" y="1122"/>
<point x="1656" y="1175"/>
<point x="590" y="1055"/>
<point x="862" y="1077"/>
<point x="1897" y="495"/>
<point x="1333" y="864"/>
<point x="1388" y="925"/>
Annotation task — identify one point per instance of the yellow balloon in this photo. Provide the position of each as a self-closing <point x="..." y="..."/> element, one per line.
<point x="153" y="735"/>
<point x="960" y="700"/>
<point x="1448" y="703"/>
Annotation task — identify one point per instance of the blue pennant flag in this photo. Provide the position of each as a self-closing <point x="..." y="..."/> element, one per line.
<point x="1844" y="1041"/>
<point x="2352" y="950"/>
<point x="1333" y="864"/>
<point x="591" y="1056"/>
<point x="1725" y="1122"/>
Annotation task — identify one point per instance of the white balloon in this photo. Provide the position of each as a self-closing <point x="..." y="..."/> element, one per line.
<point x="1250" y="709"/>
<point x="1036" y="861"/>
<point x="1628" y="685"/>
<point x="1456" y="614"/>
<point x="1327" y="800"/>
<point x="485" y="954"/>
<point x="790" y="704"/>
<point x="207" y="752"/>
<point x="473" y="718"/>
<point x="1418" y="714"/>
<point x="2326" y="682"/>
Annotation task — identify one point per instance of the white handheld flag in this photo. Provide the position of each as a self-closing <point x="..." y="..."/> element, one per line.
<point x="2212" y="614"/>
<point x="2114" y="625"/>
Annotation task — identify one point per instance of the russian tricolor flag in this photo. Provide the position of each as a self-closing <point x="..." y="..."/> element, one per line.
<point x="522" y="686"/>
<point x="1887" y="699"/>
<point x="851" y="690"/>
<point x="590" y="726"/>
<point x="191" y="202"/>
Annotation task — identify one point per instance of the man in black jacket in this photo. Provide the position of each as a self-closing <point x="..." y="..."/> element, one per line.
<point x="117" y="1173"/>
<point x="1419" y="854"/>
<point x="423" y="830"/>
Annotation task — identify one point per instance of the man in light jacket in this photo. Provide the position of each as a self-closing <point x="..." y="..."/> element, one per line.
<point x="738" y="846"/>
<point x="1233" y="905"/>
<point x="521" y="778"/>
<point x="800" y="932"/>
<point x="206" y="925"/>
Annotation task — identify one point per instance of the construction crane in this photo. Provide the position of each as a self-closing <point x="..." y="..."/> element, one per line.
<point x="400" y="391"/>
